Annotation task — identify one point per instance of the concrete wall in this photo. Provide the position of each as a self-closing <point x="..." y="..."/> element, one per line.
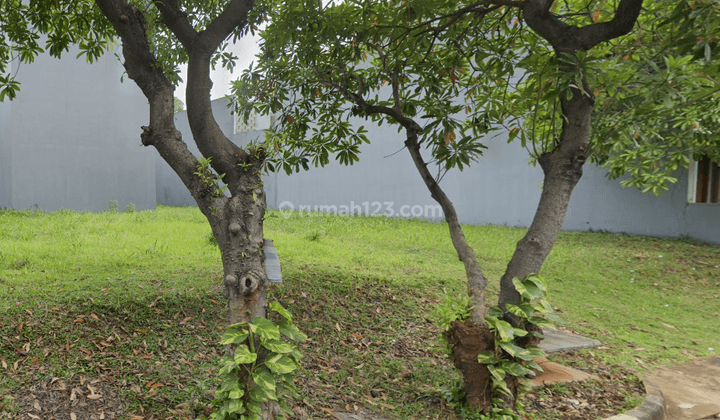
<point x="500" y="189"/>
<point x="5" y="158"/>
<point x="169" y="188"/>
<point x="71" y="138"/>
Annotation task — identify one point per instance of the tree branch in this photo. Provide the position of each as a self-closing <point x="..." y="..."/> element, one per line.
<point x="368" y="109"/>
<point x="234" y="16"/>
<point x="177" y="21"/>
<point x="210" y="139"/>
<point x="568" y="38"/>
<point x="142" y="68"/>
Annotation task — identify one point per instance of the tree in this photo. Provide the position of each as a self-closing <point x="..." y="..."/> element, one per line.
<point x="449" y="74"/>
<point x="156" y="37"/>
<point x="178" y="105"/>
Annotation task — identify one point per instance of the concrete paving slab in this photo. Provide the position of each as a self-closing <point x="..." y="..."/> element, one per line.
<point x="554" y="373"/>
<point x="691" y="389"/>
<point x="557" y="341"/>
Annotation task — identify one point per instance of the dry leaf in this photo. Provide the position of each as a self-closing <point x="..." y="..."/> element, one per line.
<point x="73" y="416"/>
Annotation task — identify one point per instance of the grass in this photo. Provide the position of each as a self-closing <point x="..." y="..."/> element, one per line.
<point x="136" y="298"/>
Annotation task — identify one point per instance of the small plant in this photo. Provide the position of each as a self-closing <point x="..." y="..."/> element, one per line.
<point x="130" y="208"/>
<point x="451" y="310"/>
<point x="211" y="239"/>
<point x="212" y="183"/>
<point x="156" y="249"/>
<point x="259" y="368"/>
<point x="112" y="206"/>
<point x="314" y="236"/>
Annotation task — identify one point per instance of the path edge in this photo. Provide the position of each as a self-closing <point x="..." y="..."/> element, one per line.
<point x="652" y="409"/>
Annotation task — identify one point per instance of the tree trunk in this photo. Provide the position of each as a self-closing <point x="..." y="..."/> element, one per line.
<point x="236" y="221"/>
<point x="562" y="169"/>
<point x="466" y="339"/>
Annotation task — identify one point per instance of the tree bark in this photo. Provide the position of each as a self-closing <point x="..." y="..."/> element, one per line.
<point x="563" y="166"/>
<point x="562" y="169"/>
<point x="237" y="220"/>
<point x="476" y="279"/>
<point x="469" y="338"/>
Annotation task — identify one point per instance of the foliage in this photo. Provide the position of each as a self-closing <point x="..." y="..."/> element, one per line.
<point x="179" y="105"/>
<point x="208" y="178"/>
<point x="467" y="72"/>
<point x="659" y="95"/>
<point x="511" y="357"/>
<point x="451" y="310"/>
<point x="60" y="24"/>
<point x="259" y="367"/>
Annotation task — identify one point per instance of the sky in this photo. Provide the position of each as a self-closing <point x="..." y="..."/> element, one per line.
<point x="246" y="48"/>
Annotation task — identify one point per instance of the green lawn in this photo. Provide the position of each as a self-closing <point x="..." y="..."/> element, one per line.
<point x="117" y="295"/>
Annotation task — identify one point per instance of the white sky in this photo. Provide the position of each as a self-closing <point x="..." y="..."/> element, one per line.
<point x="245" y="49"/>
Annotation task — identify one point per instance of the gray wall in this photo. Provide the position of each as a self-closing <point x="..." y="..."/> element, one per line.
<point x="5" y="158"/>
<point x="169" y="188"/>
<point x="70" y="139"/>
<point x="501" y="189"/>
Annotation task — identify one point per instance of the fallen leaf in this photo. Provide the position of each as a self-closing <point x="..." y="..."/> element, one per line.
<point x="73" y="416"/>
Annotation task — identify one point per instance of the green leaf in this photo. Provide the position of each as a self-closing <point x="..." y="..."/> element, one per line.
<point x="265" y="328"/>
<point x="518" y="311"/>
<point x="261" y="395"/>
<point x="497" y="372"/>
<point x="531" y="353"/>
<point x="281" y="364"/>
<point x="244" y="356"/>
<point x="277" y="307"/>
<point x="234" y="406"/>
<point x="506" y="331"/>
<point x="278" y="346"/>
<point x="264" y="379"/>
<point x="254" y="407"/>
<point x="515" y="369"/>
<point x="231" y="381"/>
<point x="234" y="336"/>
<point x="291" y="331"/>
<point x="236" y="393"/>
<point x="488" y="358"/>
<point x="239" y="325"/>
<point x="511" y="348"/>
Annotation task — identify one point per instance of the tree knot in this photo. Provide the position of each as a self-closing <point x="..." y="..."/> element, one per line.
<point x="147" y="136"/>
<point x="234" y="228"/>
<point x="249" y="283"/>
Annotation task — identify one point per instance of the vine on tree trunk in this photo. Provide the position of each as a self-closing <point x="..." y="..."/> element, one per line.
<point x="509" y="361"/>
<point x="258" y="367"/>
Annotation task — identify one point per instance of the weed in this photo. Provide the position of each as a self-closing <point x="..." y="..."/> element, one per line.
<point x="211" y="240"/>
<point x="112" y="206"/>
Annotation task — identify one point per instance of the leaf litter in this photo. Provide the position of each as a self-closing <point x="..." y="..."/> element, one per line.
<point x="373" y="351"/>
